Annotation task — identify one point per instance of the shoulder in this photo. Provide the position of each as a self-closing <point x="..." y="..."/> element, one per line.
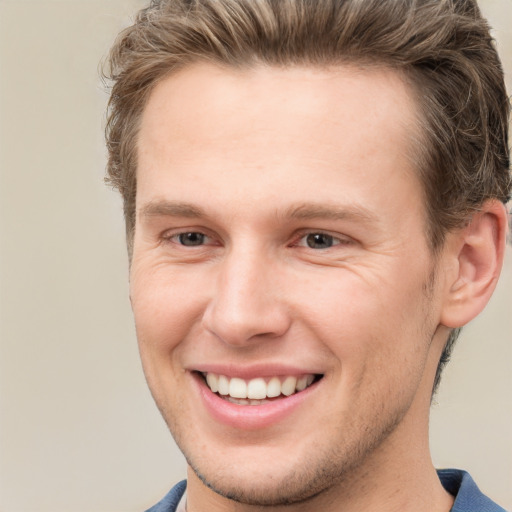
<point x="468" y="497"/>
<point x="171" y="499"/>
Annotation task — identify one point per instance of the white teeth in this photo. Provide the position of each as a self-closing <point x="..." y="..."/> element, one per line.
<point x="237" y="388"/>
<point x="255" y="391"/>
<point x="304" y="382"/>
<point x="239" y="401"/>
<point x="223" y="385"/>
<point x="258" y="402"/>
<point x="288" y="386"/>
<point x="301" y="383"/>
<point x="257" y="388"/>
<point x="273" y="387"/>
<point x="213" y="382"/>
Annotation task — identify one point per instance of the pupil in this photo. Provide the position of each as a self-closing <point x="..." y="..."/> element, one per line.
<point x="191" y="239"/>
<point x="319" y="241"/>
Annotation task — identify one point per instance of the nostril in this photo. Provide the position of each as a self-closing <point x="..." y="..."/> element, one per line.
<point x="240" y="315"/>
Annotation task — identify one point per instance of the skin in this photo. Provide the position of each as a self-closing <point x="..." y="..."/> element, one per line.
<point x="255" y="161"/>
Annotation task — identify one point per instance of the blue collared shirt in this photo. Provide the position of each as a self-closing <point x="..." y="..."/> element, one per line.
<point x="468" y="497"/>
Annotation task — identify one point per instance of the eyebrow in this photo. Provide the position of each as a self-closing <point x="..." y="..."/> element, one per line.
<point x="312" y="211"/>
<point x="171" y="209"/>
<point x="302" y="211"/>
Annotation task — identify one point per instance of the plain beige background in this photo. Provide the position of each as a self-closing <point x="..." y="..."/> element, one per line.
<point x="79" y="431"/>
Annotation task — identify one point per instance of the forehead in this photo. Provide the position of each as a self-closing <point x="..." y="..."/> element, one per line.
<point x="326" y="96"/>
<point x="265" y="129"/>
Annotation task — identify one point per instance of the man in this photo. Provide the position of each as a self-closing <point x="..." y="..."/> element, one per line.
<point x="315" y="200"/>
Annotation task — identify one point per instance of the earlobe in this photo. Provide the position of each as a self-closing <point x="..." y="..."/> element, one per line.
<point x="477" y="251"/>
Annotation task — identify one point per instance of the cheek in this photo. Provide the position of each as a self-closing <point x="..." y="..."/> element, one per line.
<point x="166" y="306"/>
<point x="162" y="314"/>
<point x="373" y="326"/>
<point x="350" y="306"/>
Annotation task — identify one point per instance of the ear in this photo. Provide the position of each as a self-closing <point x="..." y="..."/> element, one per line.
<point x="474" y="257"/>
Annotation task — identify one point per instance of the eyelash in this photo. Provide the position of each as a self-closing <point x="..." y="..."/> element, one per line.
<point x="332" y="240"/>
<point x="303" y="240"/>
<point x="177" y="238"/>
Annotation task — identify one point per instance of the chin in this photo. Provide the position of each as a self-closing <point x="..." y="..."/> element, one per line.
<point x="298" y="486"/>
<point x="272" y="480"/>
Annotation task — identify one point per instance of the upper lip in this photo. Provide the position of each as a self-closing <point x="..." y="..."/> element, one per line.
<point x="254" y="370"/>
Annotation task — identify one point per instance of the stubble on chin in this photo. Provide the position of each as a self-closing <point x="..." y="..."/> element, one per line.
<point x="326" y="469"/>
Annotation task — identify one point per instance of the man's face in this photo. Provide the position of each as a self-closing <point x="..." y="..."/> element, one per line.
<point x="280" y="236"/>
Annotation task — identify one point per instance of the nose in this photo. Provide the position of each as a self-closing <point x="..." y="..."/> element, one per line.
<point x="247" y="302"/>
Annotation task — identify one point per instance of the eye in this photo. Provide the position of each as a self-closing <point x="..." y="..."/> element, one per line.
<point x="190" y="238"/>
<point x="319" y="241"/>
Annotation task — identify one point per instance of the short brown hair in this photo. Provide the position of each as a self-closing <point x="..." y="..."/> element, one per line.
<point x="442" y="47"/>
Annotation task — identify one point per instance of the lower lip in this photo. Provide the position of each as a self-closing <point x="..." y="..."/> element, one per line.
<point x="250" y="417"/>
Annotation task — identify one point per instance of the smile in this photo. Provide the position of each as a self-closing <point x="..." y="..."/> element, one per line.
<point x="256" y="391"/>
